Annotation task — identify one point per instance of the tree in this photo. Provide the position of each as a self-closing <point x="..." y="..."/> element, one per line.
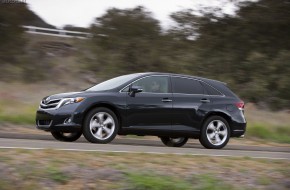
<point x="15" y="59"/>
<point x="75" y="28"/>
<point x="127" y="41"/>
<point x="245" y="50"/>
<point x="11" y="32"/>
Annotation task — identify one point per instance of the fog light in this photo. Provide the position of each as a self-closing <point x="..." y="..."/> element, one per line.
<point x="67" y="120"/>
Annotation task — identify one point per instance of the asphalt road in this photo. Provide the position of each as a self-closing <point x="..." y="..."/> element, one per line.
<point x="8" y="141"/>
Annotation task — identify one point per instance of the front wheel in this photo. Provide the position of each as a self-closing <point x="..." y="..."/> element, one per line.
<point x="174" y="142"/>
<point x="66" y="137"/>
<point x="215" y="133"/>
<point x="100" y="126"/>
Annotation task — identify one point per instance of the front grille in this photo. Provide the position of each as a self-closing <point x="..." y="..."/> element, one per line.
<point x="53" y="101"/>
<point x="44" y="122"/>
<point x="49" y="104"/>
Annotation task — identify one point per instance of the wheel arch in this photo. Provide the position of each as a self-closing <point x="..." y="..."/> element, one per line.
<point x="221" y="114"/>
<point x="104" y="105"/>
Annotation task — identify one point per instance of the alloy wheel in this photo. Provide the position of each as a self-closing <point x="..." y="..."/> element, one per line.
<point x="216" y="132"/>
<point x="102" y="125"/>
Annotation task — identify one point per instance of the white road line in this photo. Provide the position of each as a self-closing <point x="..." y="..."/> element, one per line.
<point x="139" y="152"/>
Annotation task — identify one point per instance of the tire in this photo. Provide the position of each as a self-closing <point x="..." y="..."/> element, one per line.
<point x="100" y="126"/>
<point x="174" y="142"/>
<point x="66" y="137"/>
<point x="215" y="133"/>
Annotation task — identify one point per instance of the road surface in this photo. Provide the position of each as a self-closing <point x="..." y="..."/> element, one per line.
<point x="8" y="141"/>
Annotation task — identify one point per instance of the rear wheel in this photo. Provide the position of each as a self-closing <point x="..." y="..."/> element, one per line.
<point x="66" y="137"/>
<point x="174" y="142"/>
<point x="101" y="126"/>
<point x="215" y="133"/>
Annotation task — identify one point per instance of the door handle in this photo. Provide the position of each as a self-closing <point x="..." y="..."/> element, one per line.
<point x="166" y="100"/>
<point x="205" y="100"/>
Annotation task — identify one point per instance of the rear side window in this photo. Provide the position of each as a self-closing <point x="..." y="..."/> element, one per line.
<point x="186" y="86"/>
<point x="210" y="90"/>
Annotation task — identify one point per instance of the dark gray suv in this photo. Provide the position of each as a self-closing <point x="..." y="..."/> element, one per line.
<point x="173" y="107"/>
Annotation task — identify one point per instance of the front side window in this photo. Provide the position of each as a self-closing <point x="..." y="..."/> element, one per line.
<point x="112" y="83"/>
<point x="186" y="86"/>
<point x="153" y="84"/>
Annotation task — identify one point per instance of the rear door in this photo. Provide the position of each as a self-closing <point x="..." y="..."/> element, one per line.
<point x="190" y="105"/>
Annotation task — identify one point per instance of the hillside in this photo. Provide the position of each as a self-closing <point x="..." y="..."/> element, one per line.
<point x="19" y="13"/>
<point x="249" y="51"/>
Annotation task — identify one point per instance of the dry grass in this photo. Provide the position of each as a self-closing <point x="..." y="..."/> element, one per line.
<point x="19" y="102"/>
<point x="271" y="118"/>
<point x="270" y="126"/>
<point x="33" y="169"/>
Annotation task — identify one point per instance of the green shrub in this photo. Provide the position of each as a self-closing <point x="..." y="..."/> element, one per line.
<point x="56" y="175"/>
<point x="259" y="131"/>
<point x="145" y="181"/>
<point x="209" y="182"/>
<point x="17" y="112"/>
<point x="273" y="133"/>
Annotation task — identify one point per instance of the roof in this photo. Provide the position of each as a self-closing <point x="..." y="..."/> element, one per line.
<point x="180" y="75"/>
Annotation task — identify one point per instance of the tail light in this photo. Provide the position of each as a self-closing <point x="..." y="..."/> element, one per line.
<point x="240" y="105"/>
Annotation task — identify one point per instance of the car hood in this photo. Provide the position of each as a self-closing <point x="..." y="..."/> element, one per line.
<point x="73" y="94"/>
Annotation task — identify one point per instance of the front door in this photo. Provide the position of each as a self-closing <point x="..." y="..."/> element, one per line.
<point x="149" y="111"/>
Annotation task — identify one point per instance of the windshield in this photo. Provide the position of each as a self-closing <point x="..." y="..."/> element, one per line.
<point x="112" y="83"/>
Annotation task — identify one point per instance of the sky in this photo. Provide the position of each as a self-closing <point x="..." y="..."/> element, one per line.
<point x="83" y="12"/>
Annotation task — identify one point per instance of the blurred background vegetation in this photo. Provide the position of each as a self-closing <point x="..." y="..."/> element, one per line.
<point x="249" y="51"/>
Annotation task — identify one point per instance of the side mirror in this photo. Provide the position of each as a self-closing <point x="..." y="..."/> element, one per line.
<point x="134" y="90"/>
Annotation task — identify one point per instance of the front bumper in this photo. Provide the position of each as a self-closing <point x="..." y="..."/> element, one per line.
<point x="64" y="119"/>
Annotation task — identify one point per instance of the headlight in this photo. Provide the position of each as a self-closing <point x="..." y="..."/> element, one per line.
<point x="66" y="101"/>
